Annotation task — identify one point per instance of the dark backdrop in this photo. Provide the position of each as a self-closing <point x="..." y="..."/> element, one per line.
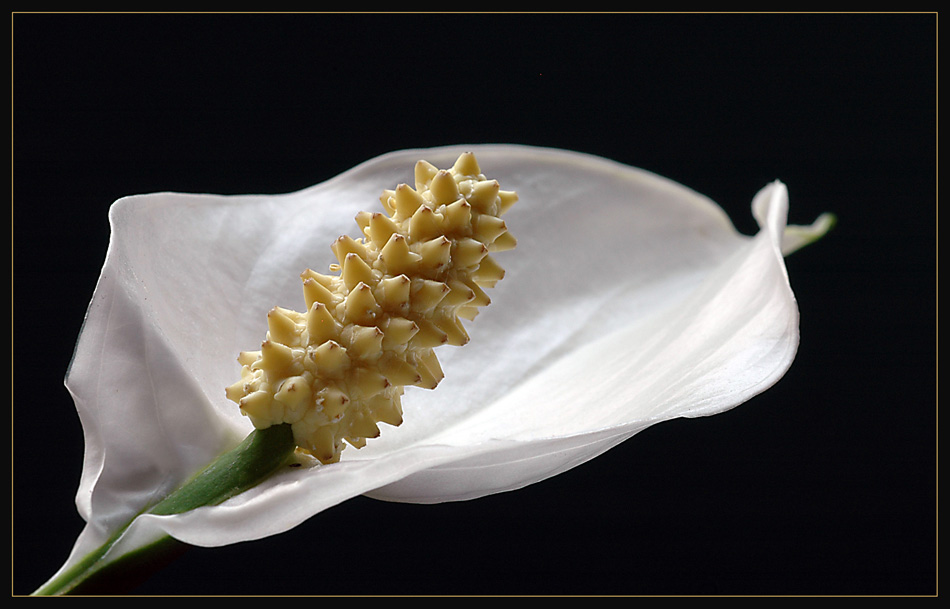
<point x="825" y="484"/>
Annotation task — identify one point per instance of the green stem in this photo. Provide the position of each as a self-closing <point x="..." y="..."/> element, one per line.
<point x="261" y="454"/>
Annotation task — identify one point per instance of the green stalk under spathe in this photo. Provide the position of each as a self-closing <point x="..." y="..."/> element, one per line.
<point x="261" y="454"/>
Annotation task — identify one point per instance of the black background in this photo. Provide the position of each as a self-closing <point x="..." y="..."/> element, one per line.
<point x="825" y="484"/>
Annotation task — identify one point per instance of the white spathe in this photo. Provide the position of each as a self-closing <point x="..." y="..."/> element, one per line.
<point x="630" y="300"/>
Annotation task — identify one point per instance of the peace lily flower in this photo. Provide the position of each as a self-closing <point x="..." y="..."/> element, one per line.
<point x="630" y="300"/>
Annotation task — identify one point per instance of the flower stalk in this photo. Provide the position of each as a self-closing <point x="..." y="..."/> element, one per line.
<point x="260" y="455"/>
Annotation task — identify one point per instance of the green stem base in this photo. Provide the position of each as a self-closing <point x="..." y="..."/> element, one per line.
<point x="260" y="455"/>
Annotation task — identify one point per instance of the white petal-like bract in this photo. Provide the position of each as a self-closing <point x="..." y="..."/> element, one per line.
<point x="630" y="300"/>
